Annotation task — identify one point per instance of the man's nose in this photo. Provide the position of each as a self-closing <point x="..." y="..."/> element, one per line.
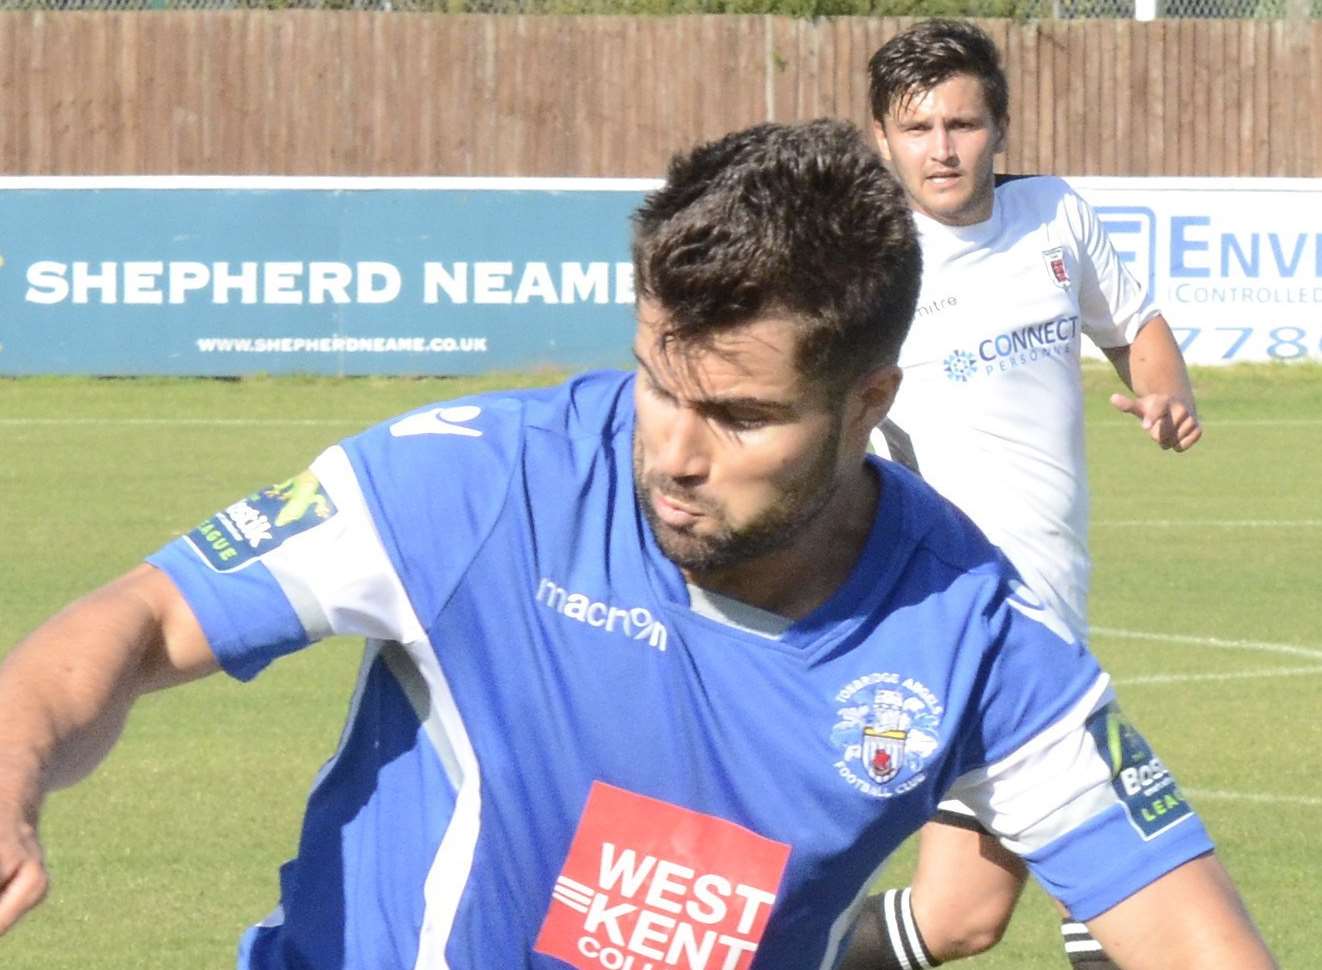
<point x="683" y="449"/>
<point x="943" y="146"/>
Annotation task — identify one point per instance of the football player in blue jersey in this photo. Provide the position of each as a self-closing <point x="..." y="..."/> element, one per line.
<point x="660" y="666"/>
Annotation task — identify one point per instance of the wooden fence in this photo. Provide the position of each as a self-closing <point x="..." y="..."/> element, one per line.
<point x="344" y="93"/>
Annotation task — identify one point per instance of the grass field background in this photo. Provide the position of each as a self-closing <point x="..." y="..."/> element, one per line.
<point x="1206" y="609"/>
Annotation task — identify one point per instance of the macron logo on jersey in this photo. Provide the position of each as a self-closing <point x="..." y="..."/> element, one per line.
<point x="648" y="885"/>
<point x="439" y="421"/>
<point x="636" y="623"/>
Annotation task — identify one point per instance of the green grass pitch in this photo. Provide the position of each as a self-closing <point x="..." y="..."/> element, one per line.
<point x="1206" y="609"/>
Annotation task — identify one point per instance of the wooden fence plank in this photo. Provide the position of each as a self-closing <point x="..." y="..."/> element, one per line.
<point x="1027" y="117"/>
<point x="1181" y="118"/>
<point x="10" y="23"/>
<point x="1262" y="80"/>
<point x="1120" y="158"/>
<point x="863" y="33"/>
<point x="784" y="67"/>
<point x="1277" y="162"/>
<point x="1315" y="161"/>
<point x="1304" y="109"/>
<point x="1096" y="119"/>
<point x="1105" y="42"/>
<point x="1212" y="73"/>
<point x="1048" y="51"/>
<point x="1247" y="69"/>
<point x="1197" y="50"/>
<point x="1162" y="91"/>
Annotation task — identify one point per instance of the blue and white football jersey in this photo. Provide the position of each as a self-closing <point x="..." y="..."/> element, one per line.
<point x="551" y="760"/>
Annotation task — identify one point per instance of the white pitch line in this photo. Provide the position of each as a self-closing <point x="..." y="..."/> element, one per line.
<point x="192" y="422"/>
<point x="1234" y="675"/>
<point x="1209" y="523"/>
<point x="1312" y="653"/>
<point x="1104" y="423"/>
<point x="1309" y="801"/>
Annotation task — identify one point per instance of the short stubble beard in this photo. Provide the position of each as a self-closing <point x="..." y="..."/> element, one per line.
<point x="800" y="504"/>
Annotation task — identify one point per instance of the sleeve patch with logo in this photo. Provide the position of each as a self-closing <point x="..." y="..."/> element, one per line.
<point x="650" y="885"/>
<point x="1142" y="783"/>
<point x="239" y="534"/>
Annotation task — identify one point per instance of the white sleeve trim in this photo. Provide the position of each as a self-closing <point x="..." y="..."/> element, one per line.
<point x="337" y="576"/>
<point x="1047" y="787"/>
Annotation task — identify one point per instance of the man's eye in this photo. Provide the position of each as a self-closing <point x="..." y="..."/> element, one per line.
<point x="736" y="422"/>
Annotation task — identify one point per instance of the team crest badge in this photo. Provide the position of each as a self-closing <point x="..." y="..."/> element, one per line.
<point x="883" y="753"/>
<point x="887" y="728"/>
<point x="1060" y="274"/>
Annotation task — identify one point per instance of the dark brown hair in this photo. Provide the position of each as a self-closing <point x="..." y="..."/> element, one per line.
<point x="918" y="59"/>
<point x="799" y="219"/>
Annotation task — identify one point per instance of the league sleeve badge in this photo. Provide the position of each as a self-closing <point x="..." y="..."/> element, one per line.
<point x="1145" y="788"/>
<point x="240" y="533"/>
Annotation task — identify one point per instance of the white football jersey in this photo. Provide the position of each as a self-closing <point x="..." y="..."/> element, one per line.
<point x="991" y="406"/>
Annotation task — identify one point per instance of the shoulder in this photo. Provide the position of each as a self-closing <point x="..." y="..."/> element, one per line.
<point x="939" y="532"/>
<point x="452" y="463"/>
<point x="953" y="557"/>
<point x="1047" y="196"/>
<point x="1049" y="202"/>
<point x="469" y="438"/>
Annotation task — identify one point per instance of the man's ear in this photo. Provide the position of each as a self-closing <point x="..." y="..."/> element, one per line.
<point x="883" y="146"/>
<point x="871" y="400"/>
<point x="1002" y="131"/>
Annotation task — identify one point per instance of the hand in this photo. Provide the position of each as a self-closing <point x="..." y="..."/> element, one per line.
<point x="23" y="878"/>
<point x="1168" y="421"/>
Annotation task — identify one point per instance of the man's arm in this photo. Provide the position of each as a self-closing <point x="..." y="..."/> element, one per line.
<point x="65" y="692"/>
<point x="1153" y="368"/>
<point x="1192" y="918"/>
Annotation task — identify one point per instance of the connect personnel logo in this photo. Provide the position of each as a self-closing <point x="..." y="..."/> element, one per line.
<point x="960" y="366"/>
<point x="648" y="885"/>
<point x="1015" y="348"/>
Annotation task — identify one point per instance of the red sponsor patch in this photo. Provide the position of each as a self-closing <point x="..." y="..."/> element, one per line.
<point x="649" y="885"/>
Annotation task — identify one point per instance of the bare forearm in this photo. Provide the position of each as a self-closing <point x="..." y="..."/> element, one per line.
<point x="1153" y="363"/>
<point x="65" y="692"/>
<point x="1153" y="368"/>
<point x="1190" y="919"/>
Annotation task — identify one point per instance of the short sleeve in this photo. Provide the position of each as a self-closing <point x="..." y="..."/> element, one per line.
<point x="288" y="565"/>
<point x="1091" y="809"/>
<point x="1113" y="305"/>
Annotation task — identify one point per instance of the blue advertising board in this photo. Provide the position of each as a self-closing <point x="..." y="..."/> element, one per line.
<point x="238" y="275"/>
<point x="340" y="276"/>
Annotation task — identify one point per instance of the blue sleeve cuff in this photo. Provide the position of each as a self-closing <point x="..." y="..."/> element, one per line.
<point x="245" y="616"/>
<point x="1105" y="860"/>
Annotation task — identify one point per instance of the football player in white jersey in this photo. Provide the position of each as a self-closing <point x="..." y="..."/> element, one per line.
<point x="990" y="411"/>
